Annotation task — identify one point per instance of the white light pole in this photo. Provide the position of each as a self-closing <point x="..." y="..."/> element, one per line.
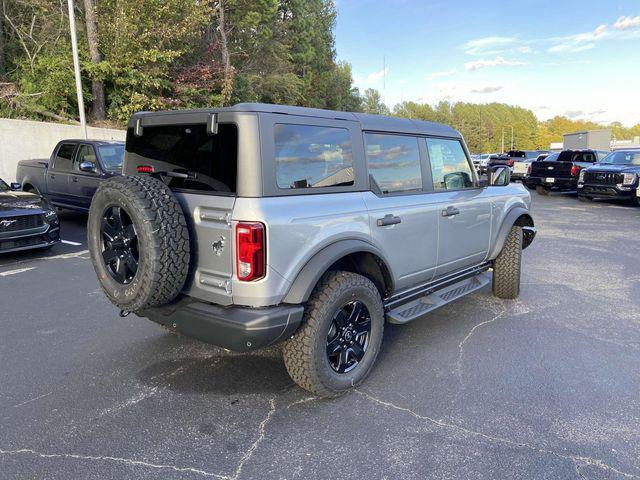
<point x="76" y="67"/>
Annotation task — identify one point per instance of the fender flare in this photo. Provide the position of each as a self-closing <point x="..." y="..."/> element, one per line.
<point x="509" y="221"/>
<point x="308" y="277"/>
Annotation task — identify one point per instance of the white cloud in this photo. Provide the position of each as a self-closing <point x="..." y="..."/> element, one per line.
<point x="487" y="89"/>
<point x="491" y="45"/>
<point x="578" y="42"/>
<point x="624" y="23"/>
<point x="370" y="79"/>
<point x="574" y="113"/>
<point x="376" y="76"/>
<point x="445" y="73"/>
<point x="497" y="62"/>
<point x="464" y="90"/>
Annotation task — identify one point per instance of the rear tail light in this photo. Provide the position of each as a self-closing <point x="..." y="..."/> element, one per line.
<point x="511" y="162"/>
<point x="144" y="169"/>
<point x="529" y="169"/>
<point x="250" y="251"/>
<point x="575" y="170"/>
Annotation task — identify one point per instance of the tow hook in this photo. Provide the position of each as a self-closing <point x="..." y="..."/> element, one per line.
<point x="124" y="313"/>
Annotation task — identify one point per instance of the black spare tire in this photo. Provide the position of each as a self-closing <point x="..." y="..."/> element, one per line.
<point x="139" y="242"/>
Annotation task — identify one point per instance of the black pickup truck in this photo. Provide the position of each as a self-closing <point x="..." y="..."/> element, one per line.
<point x="560" y="171"/>
<point x="616" y="177"/>
<point x="71" y="176"/>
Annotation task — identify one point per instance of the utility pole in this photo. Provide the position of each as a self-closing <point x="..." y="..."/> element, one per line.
<point x="511" y="137"/>
<point x="76" y="67"/>
<point x="502" y="140"/>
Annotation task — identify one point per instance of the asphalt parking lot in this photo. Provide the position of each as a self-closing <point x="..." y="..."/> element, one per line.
<point x="547" y="386"/>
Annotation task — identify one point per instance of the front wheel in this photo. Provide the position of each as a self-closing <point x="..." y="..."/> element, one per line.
<point x="508" y="265"/>
<point x="339" y="341"/>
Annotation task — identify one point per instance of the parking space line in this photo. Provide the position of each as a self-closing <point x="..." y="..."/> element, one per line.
<point x="15" y="272"/>
<point x="76" y="244"/>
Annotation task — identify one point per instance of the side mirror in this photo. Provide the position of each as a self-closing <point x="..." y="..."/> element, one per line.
<point x="499" y="176"/>
<point x="89" y="167"/>
<point x="16" y="186"/>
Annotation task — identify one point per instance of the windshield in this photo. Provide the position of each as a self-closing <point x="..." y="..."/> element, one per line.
<point x="622" y="158"/>
<point x="3" y="186"/>
<point x="552" y="158"/>
<point x="112" y="157"/>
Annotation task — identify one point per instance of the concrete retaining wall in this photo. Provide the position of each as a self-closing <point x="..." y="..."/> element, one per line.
<point x="25" y="140"/>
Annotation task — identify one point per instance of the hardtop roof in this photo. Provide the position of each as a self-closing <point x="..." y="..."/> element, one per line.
<point x="92" y="142"/>
<point x="377" y="123"/>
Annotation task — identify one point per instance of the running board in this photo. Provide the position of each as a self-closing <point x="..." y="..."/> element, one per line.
<point x="423" y="305"/>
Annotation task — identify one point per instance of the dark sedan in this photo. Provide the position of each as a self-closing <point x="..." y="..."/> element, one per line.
<point x="27" y="221"/>
<point x="615" y="177"/>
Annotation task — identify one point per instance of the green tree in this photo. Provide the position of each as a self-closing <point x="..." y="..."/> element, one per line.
<point x="372" y="102"/>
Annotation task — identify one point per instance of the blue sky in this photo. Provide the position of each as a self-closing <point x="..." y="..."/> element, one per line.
<point x="575" y="58"/>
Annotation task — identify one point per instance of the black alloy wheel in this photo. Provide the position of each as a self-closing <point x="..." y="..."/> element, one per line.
<point x="348" y="337"/>
<point x="119" y="245"/>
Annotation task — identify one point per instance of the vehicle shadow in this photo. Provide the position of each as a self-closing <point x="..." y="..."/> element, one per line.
<point x="215" y="370"/>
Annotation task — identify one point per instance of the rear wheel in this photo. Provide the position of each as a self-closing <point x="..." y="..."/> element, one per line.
<point x="542" y="190"/>
<point x="508" y="265"/>
<point x="339" y="341"/>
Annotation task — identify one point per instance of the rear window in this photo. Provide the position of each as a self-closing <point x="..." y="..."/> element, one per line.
<point x="586" y="157"/>
<point x="210" y="161"/>
<point x="312" y="156"/>
<point x="64" y="157"/>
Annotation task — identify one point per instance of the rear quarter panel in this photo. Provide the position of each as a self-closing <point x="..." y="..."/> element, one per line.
<point x="33" y="172"/>
<point x="297" y="228"/>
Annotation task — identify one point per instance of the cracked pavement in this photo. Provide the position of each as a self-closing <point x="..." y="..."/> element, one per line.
<point x="547" y="386"/>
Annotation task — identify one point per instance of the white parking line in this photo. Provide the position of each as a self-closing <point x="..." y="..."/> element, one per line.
<point x="76" y="244"/>
<point x="66" y="255"/>
<point x="15" y="272"/>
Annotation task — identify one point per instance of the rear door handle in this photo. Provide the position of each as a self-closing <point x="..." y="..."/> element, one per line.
<point x="52" y="177"/>
<point x="388" y="220"/>
<point x="450" y="212"/>
<point x="74" y="179"/>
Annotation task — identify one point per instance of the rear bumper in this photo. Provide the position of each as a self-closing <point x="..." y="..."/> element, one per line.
<point x="563" y="184"/>
<point x="235" y="328"/>
<point x="608" y="191"/>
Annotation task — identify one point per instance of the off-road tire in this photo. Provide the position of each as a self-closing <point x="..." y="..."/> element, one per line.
<point x="508" y="265"/>
<point x="163" y="241"/>
<point x="584" y="198"/>
<point x="305" y="353"/>
<point x="541" y="190"/>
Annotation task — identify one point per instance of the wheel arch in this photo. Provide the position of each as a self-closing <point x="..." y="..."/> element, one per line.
<point x="355" y="256"/>
<point x="518" y="216"/>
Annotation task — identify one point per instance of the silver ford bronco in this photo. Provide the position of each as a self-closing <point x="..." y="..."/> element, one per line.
<point x="257" y="224"/>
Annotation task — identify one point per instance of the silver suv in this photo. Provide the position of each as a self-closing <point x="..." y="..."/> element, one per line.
<point x="257" y="224"/>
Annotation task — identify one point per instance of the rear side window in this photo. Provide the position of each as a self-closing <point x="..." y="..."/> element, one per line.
<point x="586" y="157"/>
<point x="64" y="157"/>
<point x="309" y="156"/>
<point x="394" y="162"/>
<point x="449" y="165"/>
<point x="210" y="161"/>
